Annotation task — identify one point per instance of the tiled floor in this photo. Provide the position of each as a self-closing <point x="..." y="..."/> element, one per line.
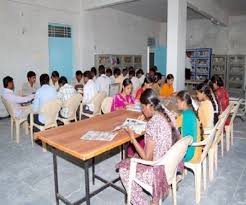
<point x="26" y="176"/>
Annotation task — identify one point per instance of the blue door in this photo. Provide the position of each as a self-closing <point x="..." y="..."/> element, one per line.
<point x="161" y="59"/>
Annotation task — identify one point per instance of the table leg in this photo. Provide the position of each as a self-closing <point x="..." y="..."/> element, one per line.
<point x="93" y="171"/>
<point x="87" y="183"/>
<point x="122" y="151"/>
<point x="55" y="177"/>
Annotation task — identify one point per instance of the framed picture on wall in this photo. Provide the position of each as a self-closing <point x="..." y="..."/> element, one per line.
<point x="137" y="59"/>
<point x="128" y="59"/>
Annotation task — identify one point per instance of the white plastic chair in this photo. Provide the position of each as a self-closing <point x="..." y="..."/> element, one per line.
<point x="50" y="112"/>
<point x="97" y="102"/>
<point x="229" y="128"/>
<point x="170" y="160"/>
<point x="201" y="164"/>
<point x="72" y="104"/>
<point x="106" y="105"/>
<point x="14" y="120"/>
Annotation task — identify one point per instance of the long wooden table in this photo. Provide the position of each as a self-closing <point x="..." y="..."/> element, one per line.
<point x="65" y="142"/>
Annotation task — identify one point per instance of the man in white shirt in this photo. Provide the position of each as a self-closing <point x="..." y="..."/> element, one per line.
<point x="188" y="65"/>
<point x="43" y="95"/>
<point x="78" y="82"/>
<point x="135" y="82"/>
<point x="109" y="73"/>
<point x="15" y="100"/>
<point x="103" y="82"/>
<point x="30" y="86"/>
<point x="140" y="76"/>
<point x="54" y="80"/>
<point x="94" y="73"/>
<point x="118" y="77"/>
<point x="89" y="91"/>
<point x="65" y="92"/>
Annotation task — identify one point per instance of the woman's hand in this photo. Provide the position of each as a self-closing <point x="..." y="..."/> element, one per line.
<point x="131" y="134"/>
<point x="141" y="117"/>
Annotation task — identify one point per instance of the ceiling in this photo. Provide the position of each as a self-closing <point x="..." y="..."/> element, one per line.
<point x="152" y="9"/>
<point x="234" y="7"/>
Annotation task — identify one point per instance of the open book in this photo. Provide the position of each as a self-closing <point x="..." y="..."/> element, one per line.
<point x="99" y="135"/>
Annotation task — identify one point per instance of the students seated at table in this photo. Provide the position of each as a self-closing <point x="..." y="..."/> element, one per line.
<point x="54" y="80"/>
<point x="158" y="140"/>
<point x="103" y="82"/>
<point x="94" y="73"/>
<point x="189" y="125"/>
<point x="65" y="92"/>
<point x="43" y="95"/>
<point x="123" y="99"/>
<point x="118" y="78"/>
<point x="135" y="82"/>
<point x="109" y="73"/>
<point x="15" y="100"/>
<point x="30" y="86"/>
<point x="89" y="91"/>
<point x="78" y="82"/>
<point x="148" y="82"/>
<point x="157" y="83"/>
<point x="207" y="105"/>
<point x="167" y="89"/>
<point x="140" y="75"/>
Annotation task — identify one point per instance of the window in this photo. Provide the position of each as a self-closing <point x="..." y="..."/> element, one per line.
<point x="59" y="31"/>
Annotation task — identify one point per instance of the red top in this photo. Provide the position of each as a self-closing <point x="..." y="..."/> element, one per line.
<point x="223" y="98"/>
<point x="139" y="93"/>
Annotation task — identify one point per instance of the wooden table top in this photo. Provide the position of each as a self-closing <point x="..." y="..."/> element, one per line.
<point x="67" y="138"/>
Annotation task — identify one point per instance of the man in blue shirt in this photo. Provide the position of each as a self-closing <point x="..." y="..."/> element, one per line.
<point x="43" y="95"/>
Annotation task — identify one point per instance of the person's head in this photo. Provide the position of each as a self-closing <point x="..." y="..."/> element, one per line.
<point x="131" y="74"/>
<point x="117" y="72"/>
<point x="139" y="73"/>
<point x="62" y="81"/>
<point x="189" y="54"/>
<point x="8" y="82"/>
<point x="101" y="70"/>
<point x="148" y="82"/>
<point x="44" y="79"/>
<point x="93" y="72"/>
<point x="169" y="79"/>
<point x="203" y="91"/>
<point x="55" y="76"/>
<point x="155" y="68"/>
<point x="109" y="72"/>
<point x="131" y="68"/>
<point x="158" y="78"/>
<point x="152" y="72"/>
<point x="31" y="77"/>
<point x="87" y="76"/>
<point x="184" y="100"/>
<point x="79" y="75"/>
<point x="124" y="72"/>
<point x="127" y="86"/>
<point x="217" y="82"/>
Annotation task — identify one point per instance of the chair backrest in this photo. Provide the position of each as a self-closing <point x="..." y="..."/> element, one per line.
<point x="235" y="110"/>
<point x="9" y="107"/>
<point x="72" y="104"/>
<point x="50" y="111"/>
<point x="106" y="105"/>
<point x="114" y="89"/>
<point x="97" y="101"/>
<point x="173" y="157"/>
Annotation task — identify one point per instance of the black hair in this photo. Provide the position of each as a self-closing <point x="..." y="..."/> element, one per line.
<point x="157" y="77"/>
<point x="169" y="77"/>
<point x="30" y="74"/>
<point x="218" y="80"/>
<point x="127" y="82"/>
<point x="79" y="72"/>
<point x="94" y="70"/>
<point x="156" y="69"/>
<point x="87" y="74"/>
<point x="6" y="81"/>
<point x="101" y="69"/>
<point x="109" y="70"/>
<point x="131" y="68"/>
<point x="152" y="70"/>
<point x="62" y="80"/>
<point x="125" y="70"/>
<point x="44" y="79"/>
<point x="131" y="73"/>
<point x="140" y="72"/>
<point x="117" y="71"/>
<point x="55" y="74"/>
<point x="149" y="97"/>
<point x="147" y="80"/>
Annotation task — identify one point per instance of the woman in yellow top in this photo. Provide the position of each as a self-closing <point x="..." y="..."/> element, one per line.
<point x="167" y="89"/>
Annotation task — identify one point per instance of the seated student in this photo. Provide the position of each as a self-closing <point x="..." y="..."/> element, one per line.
<point x="30" y="86"/>
<point x="94" y="73"/>
<point x="152" y="72"/>
<point x="54" y="80"/>
<point x="43" y="95"/>
<point x="123" y="99"/>
<point x="189" y="125"/>
<point x="78" y="82"/>
<point x="125" y="73"/>
<point x="207" y="106"/>
<point x="65" y="92"/>
<point x="15" y="100"/>
<point x="148" y="82"/>
<point x="109" y="73"/>
<point x="135" y="82"/>
<point x="140" y="75"/>
<point x="103" y="82"/>
<point x="157" y="83"/>
<point x="158" y="140"/>
<point x="118" y="78"/>
<point x="167" y="89"/>
<point x="90" y="90"/>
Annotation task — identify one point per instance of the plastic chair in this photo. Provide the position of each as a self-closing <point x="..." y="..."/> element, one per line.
<point x="50" y="111"/>
<point x="106" y="105"/>
<point x="72" y="104"/>
<point x="97" y="102"/>
<point x="201" y="164"/>
<point x="229" y="128"/>
<point x="170" y="160"/>
<point x="14" y="120"/>
<point x="114" y="89"/>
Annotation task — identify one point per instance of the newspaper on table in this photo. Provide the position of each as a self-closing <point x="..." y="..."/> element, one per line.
<point x="98" y="135"/>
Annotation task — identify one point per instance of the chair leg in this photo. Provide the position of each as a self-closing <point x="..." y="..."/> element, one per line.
<point x="211" y="163"/>
<point x="12" y="128"/>
<point x="197" y="173"/>
<point x="17" y="128"/>
<point x="26" y="128"/>
<point x="227" y="130"/>
<point x="44" y="147"/>
<point x="216" y="157"/>
<point x="174" y="191"/>
<point x="232" y="136"/>
<point x="204" y="169"/>
<point x="222" y="145"/>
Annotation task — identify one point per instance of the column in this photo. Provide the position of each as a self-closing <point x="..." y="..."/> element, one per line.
<point x="176" y="41"/>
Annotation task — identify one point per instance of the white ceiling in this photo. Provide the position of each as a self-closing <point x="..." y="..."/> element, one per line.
<point x="234" y="7"/>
